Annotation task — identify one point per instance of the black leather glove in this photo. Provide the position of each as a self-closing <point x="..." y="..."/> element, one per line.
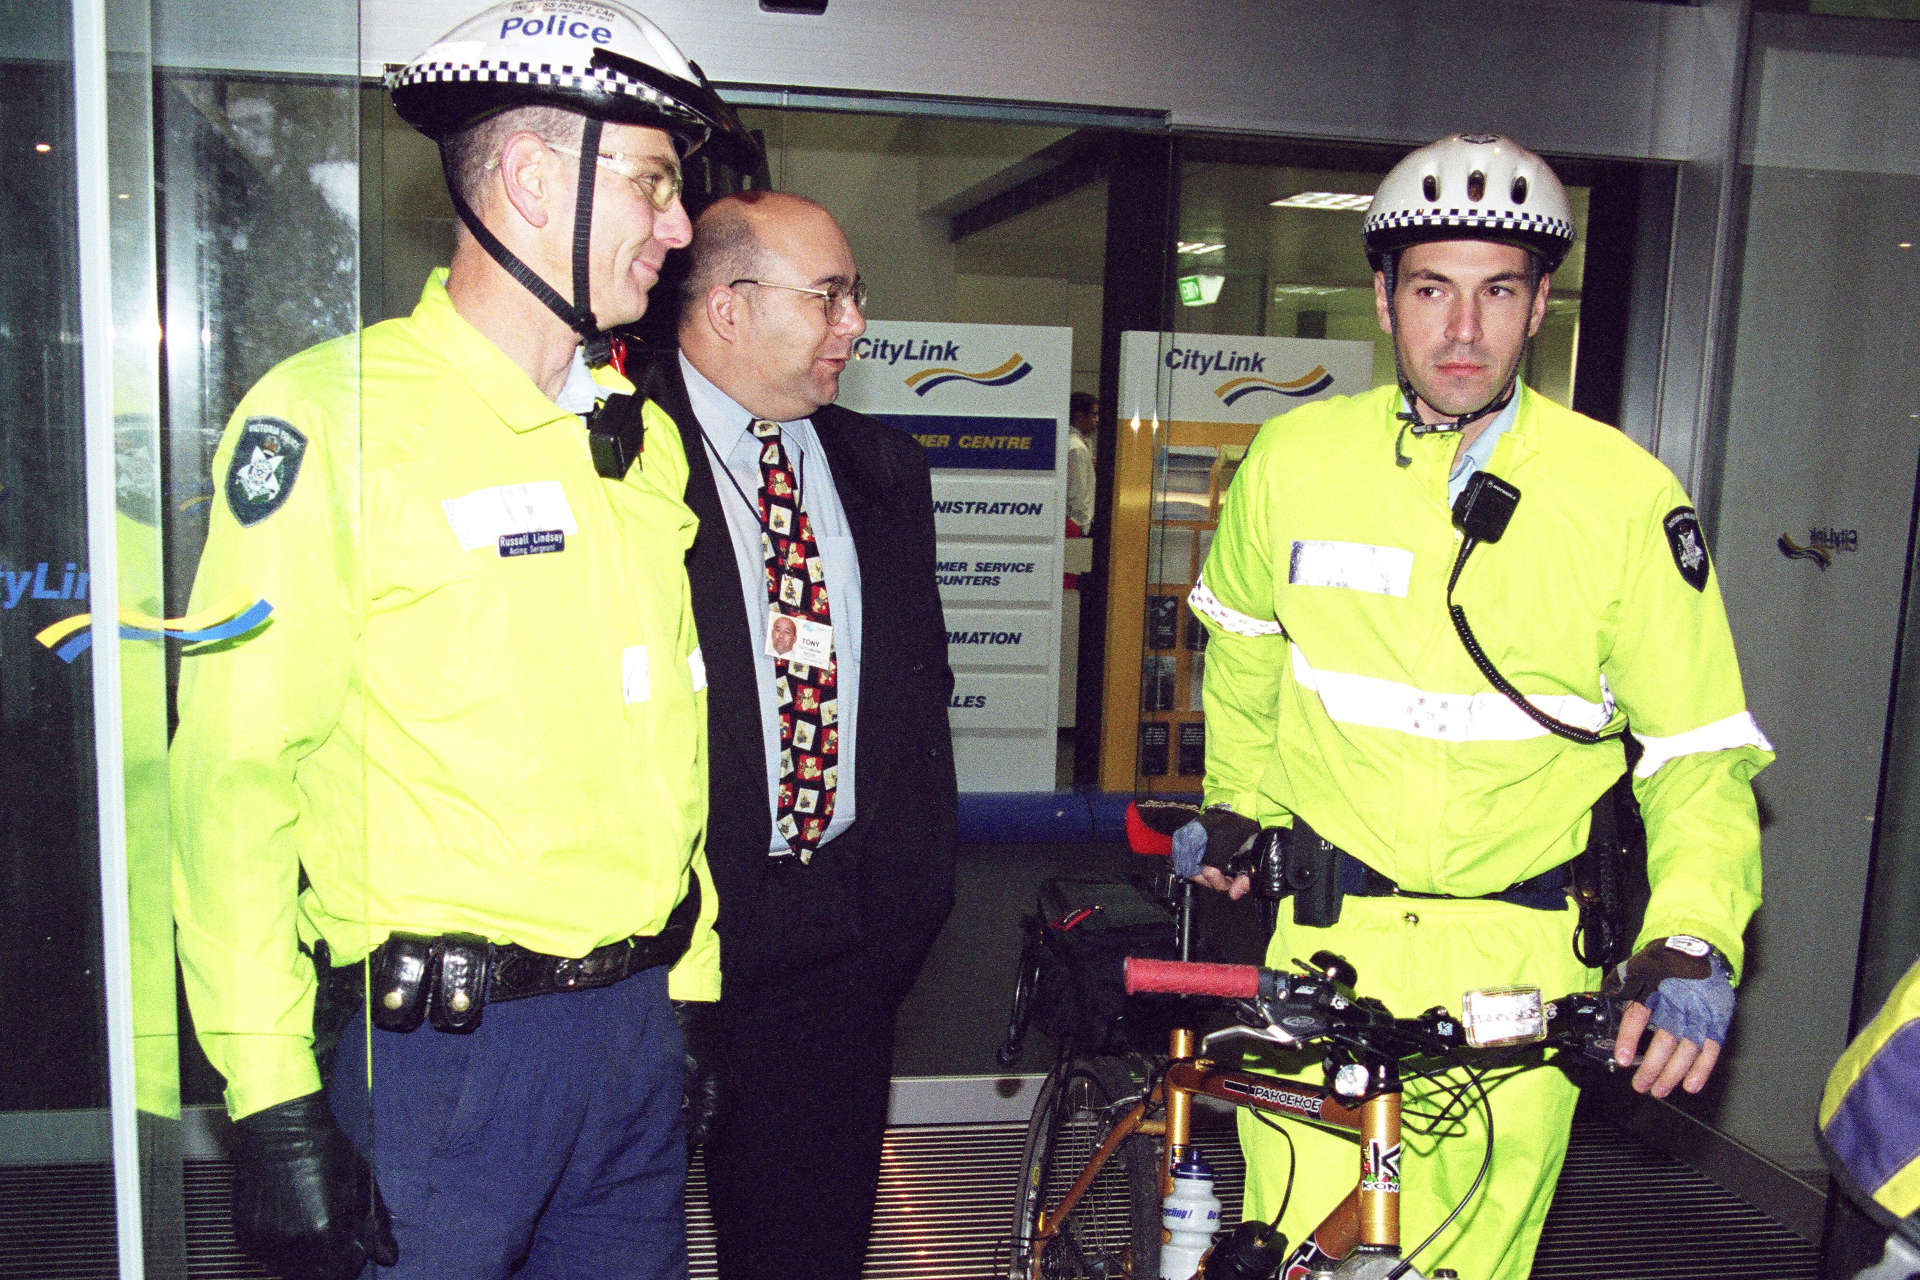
<point x="700" y="1107"/>
<point x="304" y="1201"/>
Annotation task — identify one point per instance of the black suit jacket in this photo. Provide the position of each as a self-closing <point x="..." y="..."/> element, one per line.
<point x="896" y="860"/>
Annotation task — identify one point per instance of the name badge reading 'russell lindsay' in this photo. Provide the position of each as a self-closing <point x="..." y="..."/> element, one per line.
<point x="534" y="542"/>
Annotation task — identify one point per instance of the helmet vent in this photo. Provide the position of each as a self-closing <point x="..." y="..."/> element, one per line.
<point x="1519" y="190"/>
<point x="1430" y="187"/>
<point x="1476" y="187"/>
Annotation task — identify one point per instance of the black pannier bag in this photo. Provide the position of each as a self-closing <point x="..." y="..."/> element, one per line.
<point x="1070" y="981"/>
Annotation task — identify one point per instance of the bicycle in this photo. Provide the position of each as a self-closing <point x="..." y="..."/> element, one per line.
<point x="1107" y="1130"/>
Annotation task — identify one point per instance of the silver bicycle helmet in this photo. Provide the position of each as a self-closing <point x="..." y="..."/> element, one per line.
<point x="1471" y="186"/>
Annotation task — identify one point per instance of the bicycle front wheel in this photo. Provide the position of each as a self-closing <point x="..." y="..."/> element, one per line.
<point x="1113" y="1231"/>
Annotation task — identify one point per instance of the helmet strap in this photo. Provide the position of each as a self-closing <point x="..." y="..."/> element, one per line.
<point x="598" y="345"/>
<point x="576" y="315"/>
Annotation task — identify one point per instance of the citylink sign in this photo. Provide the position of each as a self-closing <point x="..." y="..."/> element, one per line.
<point x="987" y="403"/>
<point x="1234" y="378"/>
<point x="72" y="636"/>
<point x="1821" y="546"/>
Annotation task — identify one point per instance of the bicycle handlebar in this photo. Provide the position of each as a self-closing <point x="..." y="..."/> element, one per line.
<point x="1306" y="1006"/>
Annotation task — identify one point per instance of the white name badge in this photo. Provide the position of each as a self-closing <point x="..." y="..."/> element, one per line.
<point x="1355" y="566"/>
<point x="494" y="517"/>
<point x="798" y="639"/>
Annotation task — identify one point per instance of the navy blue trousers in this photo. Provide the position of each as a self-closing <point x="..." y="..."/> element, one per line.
<point x="545" y="1145"/>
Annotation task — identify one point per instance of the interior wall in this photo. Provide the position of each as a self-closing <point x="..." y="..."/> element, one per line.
<point x="1595" y="77"/>
<point x="1812" y="548"/>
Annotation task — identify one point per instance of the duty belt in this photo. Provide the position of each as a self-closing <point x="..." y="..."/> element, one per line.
<point x="448" y="978"/>
<point x="1319" y="874"/>
<point x="1544" y="892"/>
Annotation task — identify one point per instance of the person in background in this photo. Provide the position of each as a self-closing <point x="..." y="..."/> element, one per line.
<point x="1083" y="416"/>
<point x="461" y="771"/>
<point x="1869" y="1134"/>
<point x="833" y="797"/>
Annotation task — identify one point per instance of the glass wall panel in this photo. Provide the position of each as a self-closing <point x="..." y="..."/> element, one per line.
<point x="208" y="241"/>
<point x="90" y="1112"/>
<point x="261" y="235"/>
<point x="1814" y="538"/>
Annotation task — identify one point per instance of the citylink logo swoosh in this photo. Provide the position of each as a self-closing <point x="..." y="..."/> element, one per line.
<point x="1794" y="551"/>
<point x="71" y="637"/>
<point x="1308" y="384"/>
<point x="1014" y="369"/>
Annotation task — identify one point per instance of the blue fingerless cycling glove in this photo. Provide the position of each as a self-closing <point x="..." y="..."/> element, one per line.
<point x="1684" y="983"/>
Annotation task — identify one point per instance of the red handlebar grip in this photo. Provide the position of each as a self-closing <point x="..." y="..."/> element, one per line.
<point x="1186" y="978"/>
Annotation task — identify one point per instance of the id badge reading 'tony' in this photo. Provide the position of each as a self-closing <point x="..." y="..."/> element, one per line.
<point x="798" y="639"/>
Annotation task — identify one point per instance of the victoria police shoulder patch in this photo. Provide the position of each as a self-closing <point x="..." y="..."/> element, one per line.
<point x="1688" y="544"/>
<point x="266" y="461"/>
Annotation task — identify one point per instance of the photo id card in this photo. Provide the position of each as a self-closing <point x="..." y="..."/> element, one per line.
<point x="798" y="639"/>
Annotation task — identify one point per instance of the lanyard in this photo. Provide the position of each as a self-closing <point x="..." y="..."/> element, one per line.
<point x="799" y="483"/>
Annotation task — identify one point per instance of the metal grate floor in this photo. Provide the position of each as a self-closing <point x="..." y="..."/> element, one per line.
<point x="1623" y="1211"/>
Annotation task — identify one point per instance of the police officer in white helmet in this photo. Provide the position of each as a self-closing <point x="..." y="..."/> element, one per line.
<point x="459" y="777"/>
<point x="1436" y="609"/>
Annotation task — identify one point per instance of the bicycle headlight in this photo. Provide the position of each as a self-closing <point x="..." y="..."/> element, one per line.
<point x="1497" y="1016"/>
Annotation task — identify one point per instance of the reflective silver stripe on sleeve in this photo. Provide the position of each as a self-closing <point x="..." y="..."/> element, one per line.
<point x="1204" y="602"/>
<point x="1740" y="730"/>
<point x="1449" y="717"/>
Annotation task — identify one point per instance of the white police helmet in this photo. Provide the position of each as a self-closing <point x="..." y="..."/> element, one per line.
<point x="1471" y="186"/>
<point x="596" y="57"/>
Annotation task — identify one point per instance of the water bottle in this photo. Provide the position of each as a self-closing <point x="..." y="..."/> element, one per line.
<point x="1191" y="1214"/>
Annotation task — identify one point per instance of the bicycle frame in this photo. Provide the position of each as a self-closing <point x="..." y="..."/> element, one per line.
<point x="1368" y="1218"/>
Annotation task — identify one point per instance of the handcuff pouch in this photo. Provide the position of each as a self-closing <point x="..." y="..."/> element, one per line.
<point x="459" y="982"/>
<point x="401" y="981"/>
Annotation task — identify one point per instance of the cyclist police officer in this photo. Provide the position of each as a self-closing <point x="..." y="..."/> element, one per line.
<point x="1342" y="699"/>
<point x="474" y="723"/>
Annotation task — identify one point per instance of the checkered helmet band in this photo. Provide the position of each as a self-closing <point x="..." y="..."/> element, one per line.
<point x="1471" y="186"/>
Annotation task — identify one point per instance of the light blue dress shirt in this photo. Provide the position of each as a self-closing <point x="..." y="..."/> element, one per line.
<point x="734" y="451"/>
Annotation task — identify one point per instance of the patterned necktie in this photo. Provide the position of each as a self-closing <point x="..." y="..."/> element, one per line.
<point x="808" y="709"/>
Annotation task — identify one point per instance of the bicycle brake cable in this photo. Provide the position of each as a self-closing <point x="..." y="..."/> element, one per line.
<point x="1486" y="1162"/>
<point x="1286" y="1197"/>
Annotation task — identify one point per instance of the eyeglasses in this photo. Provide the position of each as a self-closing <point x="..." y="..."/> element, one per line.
<point x="836" y="297"/>
<point x="661" y="187"/>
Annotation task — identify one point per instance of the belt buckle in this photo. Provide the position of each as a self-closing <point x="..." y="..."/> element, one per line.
<point x="566" y="974"/>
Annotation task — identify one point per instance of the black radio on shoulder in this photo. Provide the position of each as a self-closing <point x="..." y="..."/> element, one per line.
<point x="1485" y="506"/>
<point x="615" y="432"/>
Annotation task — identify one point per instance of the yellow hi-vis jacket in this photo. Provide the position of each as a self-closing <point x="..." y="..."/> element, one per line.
<point x="478" y="705"/>
<point x="1870" y="1113"/>
<point x="1337" y="689"/>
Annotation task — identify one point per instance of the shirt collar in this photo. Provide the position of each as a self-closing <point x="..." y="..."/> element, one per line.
<point x="1476" y="455"/>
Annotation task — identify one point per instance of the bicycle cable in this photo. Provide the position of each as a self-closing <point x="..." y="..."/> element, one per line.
<point x="1486" y="1163"/>
<point x="1286" y="1197"/>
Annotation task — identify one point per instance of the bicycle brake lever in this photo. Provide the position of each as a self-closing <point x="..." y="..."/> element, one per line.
<point x="1268" y="1033"/>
